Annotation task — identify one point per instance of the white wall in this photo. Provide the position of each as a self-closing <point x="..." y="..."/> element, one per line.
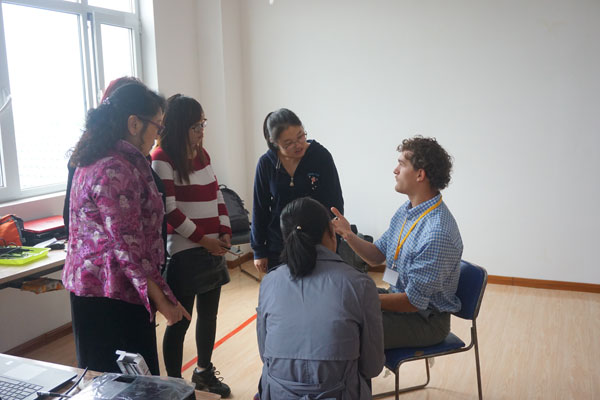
<point x="26" y="315"/>
<point x="199" y="56"/>
<point x="31" y="315"/>
<point x="510" y="89"/>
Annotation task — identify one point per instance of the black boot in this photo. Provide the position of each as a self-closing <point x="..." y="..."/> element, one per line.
<point x="209" y="382"/>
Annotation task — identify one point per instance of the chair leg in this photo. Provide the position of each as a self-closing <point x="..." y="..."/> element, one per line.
<point x="416" y="387"/>
<point x="476" y="346"/>
<point x="239" y="254"/>
<point x="408" y="389"/>
<point x="397" y="376"/>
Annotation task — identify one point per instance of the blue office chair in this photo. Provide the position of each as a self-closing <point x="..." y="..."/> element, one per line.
<point x="471" y="286"/>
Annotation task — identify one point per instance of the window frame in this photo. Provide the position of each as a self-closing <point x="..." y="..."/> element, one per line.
<point x="90" y="20"/>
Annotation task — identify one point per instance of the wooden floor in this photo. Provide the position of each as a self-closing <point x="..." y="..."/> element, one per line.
<point x="535" y="344"/>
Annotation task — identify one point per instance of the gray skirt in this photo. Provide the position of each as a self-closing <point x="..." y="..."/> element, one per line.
<point x="195" y="271"/>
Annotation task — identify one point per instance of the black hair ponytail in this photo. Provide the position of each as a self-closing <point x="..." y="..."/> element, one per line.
<point x="266" y="134"/>
<point x="303" y="223"/>
<point x="276" y="122"/>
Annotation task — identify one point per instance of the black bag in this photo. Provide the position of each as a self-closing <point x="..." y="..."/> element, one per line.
<point x="238" y="215"/>
<point x="349" y="256"/>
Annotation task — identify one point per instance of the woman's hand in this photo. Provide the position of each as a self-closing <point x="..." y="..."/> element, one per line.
<point x="172" y="312"/>
<point x="340" y="224"/>
<point x="216" y="247"/>
<point x="261" y="265"/>
<point x="226" y="238"/>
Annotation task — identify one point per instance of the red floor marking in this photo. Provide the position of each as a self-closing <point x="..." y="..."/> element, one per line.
<point x="221" y="341"/>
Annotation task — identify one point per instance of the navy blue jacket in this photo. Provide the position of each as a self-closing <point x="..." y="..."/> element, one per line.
<point x="315" y="176"/>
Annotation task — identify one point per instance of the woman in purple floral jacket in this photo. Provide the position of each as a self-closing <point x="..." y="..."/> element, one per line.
<point x="115" y="245"/>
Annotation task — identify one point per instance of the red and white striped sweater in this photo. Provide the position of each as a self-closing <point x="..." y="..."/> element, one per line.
<point x="193" y="209"/>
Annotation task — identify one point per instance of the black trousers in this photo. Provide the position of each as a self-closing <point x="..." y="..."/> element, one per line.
<point x="207" y="306"/>
<point x="102" y="326"/>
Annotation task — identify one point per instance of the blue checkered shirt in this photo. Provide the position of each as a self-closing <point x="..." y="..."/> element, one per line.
<point x="429" y="260"/>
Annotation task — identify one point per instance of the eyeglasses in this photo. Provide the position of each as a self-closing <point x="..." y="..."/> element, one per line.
<point x="158" y="126"/>
<point x="199" y="126"/>
<point x="301" y="139"/>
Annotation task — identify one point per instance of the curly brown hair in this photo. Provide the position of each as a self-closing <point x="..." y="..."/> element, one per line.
<point x="427" y="154"/>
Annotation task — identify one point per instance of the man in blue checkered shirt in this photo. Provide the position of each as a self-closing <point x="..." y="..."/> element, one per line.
<point x="422" y="249"/>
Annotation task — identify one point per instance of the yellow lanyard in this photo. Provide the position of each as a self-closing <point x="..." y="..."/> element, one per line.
<point x="402" y="240"/>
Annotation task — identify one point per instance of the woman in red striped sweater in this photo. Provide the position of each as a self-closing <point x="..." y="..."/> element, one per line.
<point x="198" y="234"/>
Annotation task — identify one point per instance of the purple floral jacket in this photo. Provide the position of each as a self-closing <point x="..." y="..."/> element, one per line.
<point x="115" y="243"/>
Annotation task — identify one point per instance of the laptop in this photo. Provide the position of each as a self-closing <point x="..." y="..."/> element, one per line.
<point x="44" y="224"/>
<point x="40" y="230"/>
<point x="21" y="378"/>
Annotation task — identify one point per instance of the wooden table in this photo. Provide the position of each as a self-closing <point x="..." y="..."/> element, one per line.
<point x="13" y="276"/>
<point x="90" y="375"/>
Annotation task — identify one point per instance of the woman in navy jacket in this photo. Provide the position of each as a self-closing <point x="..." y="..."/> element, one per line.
<point x="293" y="167"/>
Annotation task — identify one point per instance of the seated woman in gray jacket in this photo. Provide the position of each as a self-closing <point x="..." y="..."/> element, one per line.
<point x="319" y="323"/>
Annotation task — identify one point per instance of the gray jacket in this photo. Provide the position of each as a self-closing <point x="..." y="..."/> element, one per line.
<point x="321" y="336"/>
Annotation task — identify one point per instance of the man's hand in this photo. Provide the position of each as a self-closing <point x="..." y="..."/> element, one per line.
<point x="340" y="224"/>
<point x="261" y="265"/>
<point x="365" y="250"/>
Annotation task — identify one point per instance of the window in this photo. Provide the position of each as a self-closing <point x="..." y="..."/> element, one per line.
<point x="56" y="57"/>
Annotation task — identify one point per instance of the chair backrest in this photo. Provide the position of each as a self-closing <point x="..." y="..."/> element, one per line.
<point x="471" y="285"/>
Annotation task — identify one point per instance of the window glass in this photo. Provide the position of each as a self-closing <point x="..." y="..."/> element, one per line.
<point x="48" y="99"/>
<point x="1" y="164"/>
<point x="117" y="52"/>
<point x="4" y="104"/>
<point x="118" y="5"/>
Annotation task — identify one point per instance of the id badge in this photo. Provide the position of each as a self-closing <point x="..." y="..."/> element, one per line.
<point x="390" y="276"/>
